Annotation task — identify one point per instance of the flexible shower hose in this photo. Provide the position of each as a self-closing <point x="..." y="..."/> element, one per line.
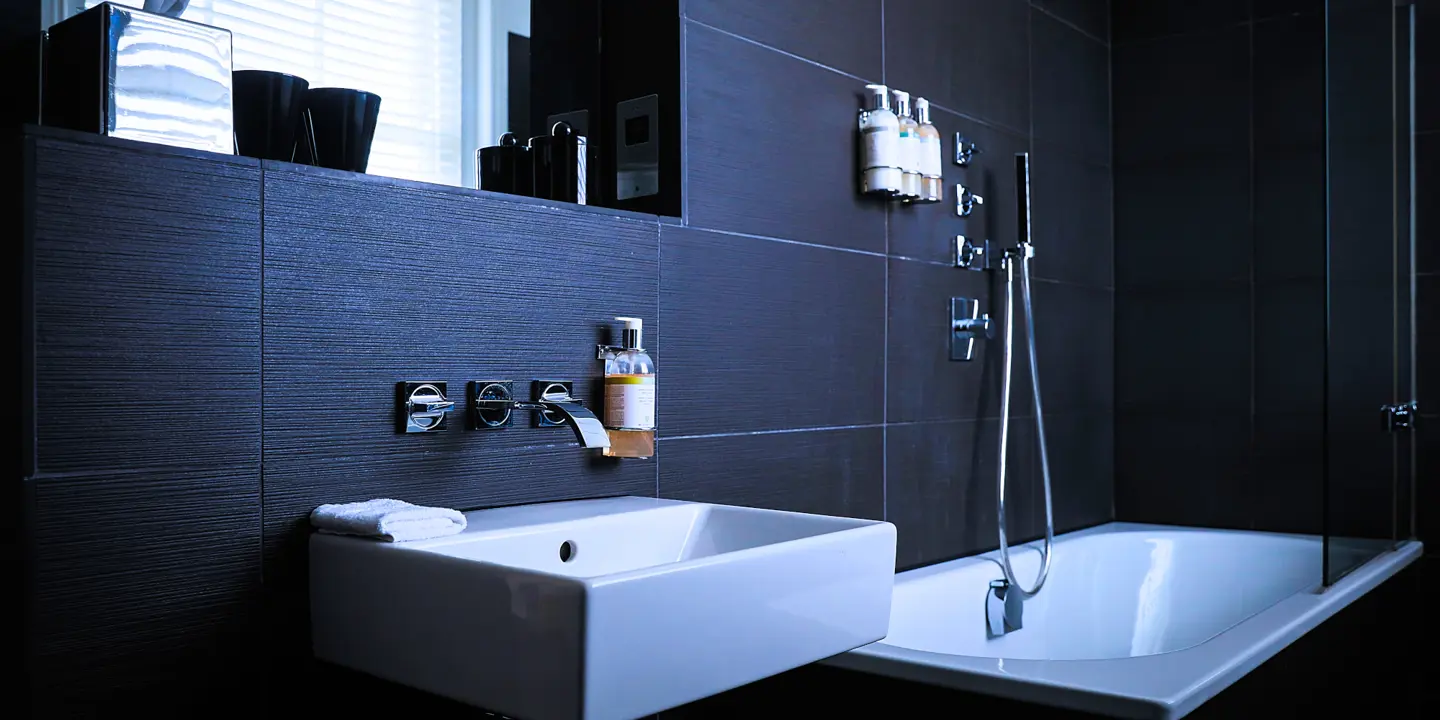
<point x="1023" y="255"/>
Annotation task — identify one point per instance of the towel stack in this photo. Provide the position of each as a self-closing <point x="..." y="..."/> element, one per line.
<point x="385" y="519"/>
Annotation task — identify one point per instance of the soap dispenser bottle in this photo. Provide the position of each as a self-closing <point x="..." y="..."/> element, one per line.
<point x="630" y="395"/>
<point x="879" y="144"/>
<point x="909" y="147"/>
<point x="932" y="185"/>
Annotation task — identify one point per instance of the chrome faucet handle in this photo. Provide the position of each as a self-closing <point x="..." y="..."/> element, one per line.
<point x="423" y="407"/>
<point x="966" y="200"/>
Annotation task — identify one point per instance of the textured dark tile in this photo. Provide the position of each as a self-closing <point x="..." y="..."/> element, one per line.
<point x="1075" y="339"/>
<point x="1071" y="90"/>
<point x="1364" y="342"/>
<point x="829" y="472"/>
<point x="1427" y="65"/>
<point x="144" y="589"/>
<point x="1183" y="222"/>
<point x="1072" y="217"/>
<point x="1184" y="351"/>
<point x="1427" y="480"/>
<point x="510" y="292"/>
<point x="1290" y="347"/>
<point x="971" y="56"/>
<point x="754" y="166"/>
<point x="1360" y="478"/>
<point x="923" y="383"/>
<point x="926" y="232"/>
<point x="768" y="335"/>
<point x="1290" y="240"/>
<point x="941" y="482"/>
<point x="1427" y="211"/>
<point x="1183" y="469"/>
<point x="844" y="35"/>
<point x="1427" y="342"/>
<point x="1082" y="470"/>
<point x="1287" y="488"/>
<point x="1092" y="16"/>
<point x="1132" y="20"/>
<point x="1289" y="82"/>
<point x="147" y="308"/>
<point x="1182" y="96"/>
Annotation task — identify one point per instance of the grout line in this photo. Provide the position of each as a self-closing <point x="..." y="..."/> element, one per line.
<point x="786" y="53"/>
<point x="885" y="383"/>
<point x="781" y="431"/>
<point x="882" y="43"/>
<point x="1068" y="24"/>
<point x="787" y="241"/>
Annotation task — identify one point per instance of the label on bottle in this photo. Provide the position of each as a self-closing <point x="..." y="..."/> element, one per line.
<point x="630" y="402"/>
<point x="930" y="165"/>
<point x="881" y="148"/>
<point x="909" y="151"/>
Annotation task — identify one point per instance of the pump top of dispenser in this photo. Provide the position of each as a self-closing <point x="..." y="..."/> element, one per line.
<point x="922" y="110"/>
<point x="633" y="328"/>
<point x="877" y="97"/>
<point x="902" y="103"/>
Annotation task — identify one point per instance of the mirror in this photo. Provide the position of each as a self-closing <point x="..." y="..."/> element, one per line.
<point x="454" y="75"/>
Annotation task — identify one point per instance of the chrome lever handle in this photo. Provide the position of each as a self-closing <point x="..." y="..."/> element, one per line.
<point x="966" y="200"/>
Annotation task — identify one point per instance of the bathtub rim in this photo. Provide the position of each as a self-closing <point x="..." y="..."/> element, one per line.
<point x="1159" y="686"/>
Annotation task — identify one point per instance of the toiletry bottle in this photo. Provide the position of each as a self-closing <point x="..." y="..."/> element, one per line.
<point x="932" y="185"/>
<point x="909" y="147"/>
<point x="879" y="144"/>
<point x="630" y="396"/>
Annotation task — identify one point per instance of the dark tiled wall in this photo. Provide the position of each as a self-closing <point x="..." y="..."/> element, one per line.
<point x="218" y="339"/>
<point x="1427" y="248"/>
<point x="1221" y="251"/>
<point x="833" y="306"/>
<point x="1219" y="257"/>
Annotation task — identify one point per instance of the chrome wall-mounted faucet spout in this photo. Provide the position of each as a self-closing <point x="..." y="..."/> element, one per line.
<point x="492" y="404"/>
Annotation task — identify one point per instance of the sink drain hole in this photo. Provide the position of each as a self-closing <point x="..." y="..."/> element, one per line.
<point x="567" y="551"/>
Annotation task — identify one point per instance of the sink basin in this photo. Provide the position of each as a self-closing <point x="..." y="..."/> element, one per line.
<point x="613" y="608"/>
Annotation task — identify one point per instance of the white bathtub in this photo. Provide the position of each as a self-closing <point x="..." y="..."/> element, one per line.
<point x="1141" y="621"/>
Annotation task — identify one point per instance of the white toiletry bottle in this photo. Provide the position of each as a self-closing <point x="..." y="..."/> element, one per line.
<point x="909" y="147"/>
<point x="932" y="185"/>
<point x="630" y="396"/>
<point x="880" y="171"/>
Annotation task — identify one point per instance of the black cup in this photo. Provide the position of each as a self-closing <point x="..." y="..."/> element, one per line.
<point x="339" y="125"/>
<point x="267" y="113"/>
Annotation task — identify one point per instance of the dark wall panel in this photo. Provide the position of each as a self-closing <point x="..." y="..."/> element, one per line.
<point x="147" y="308"/>
<point x="425" y="283"/>
<point x="768" y="335"/>
<point x="145" y="590"/>
<point x="968" y="56"/>
<point x="922" y="382"/>
<point x="1071" y="76"/>
<point x="769" y="143"/>
<point x="941" y="479"/>
<point x="842" y="34"/>
<point x="831" y="472"/>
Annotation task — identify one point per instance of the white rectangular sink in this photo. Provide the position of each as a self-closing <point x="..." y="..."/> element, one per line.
<point x="614" y="608"/>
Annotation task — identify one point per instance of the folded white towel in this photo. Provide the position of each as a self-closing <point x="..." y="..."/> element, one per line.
<point x="385" y="519"/>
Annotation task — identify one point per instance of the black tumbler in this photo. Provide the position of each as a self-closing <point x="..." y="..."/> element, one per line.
<point x="507" y="167"/>
<point x="339" y="127"/>
<point x="560" y="161"/>
<point x="267" y="113"/>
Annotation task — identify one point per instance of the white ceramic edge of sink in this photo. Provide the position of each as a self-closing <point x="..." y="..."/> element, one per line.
<point x="858" y="526"/>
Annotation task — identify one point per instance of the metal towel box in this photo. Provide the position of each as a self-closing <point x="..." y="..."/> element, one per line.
<point x="126" y="73"/>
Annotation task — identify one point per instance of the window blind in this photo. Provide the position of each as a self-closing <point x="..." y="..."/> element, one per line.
<point x="406" y="51"/>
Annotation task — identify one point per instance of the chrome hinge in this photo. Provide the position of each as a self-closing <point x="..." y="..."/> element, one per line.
<point x="1400" y="416"/>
